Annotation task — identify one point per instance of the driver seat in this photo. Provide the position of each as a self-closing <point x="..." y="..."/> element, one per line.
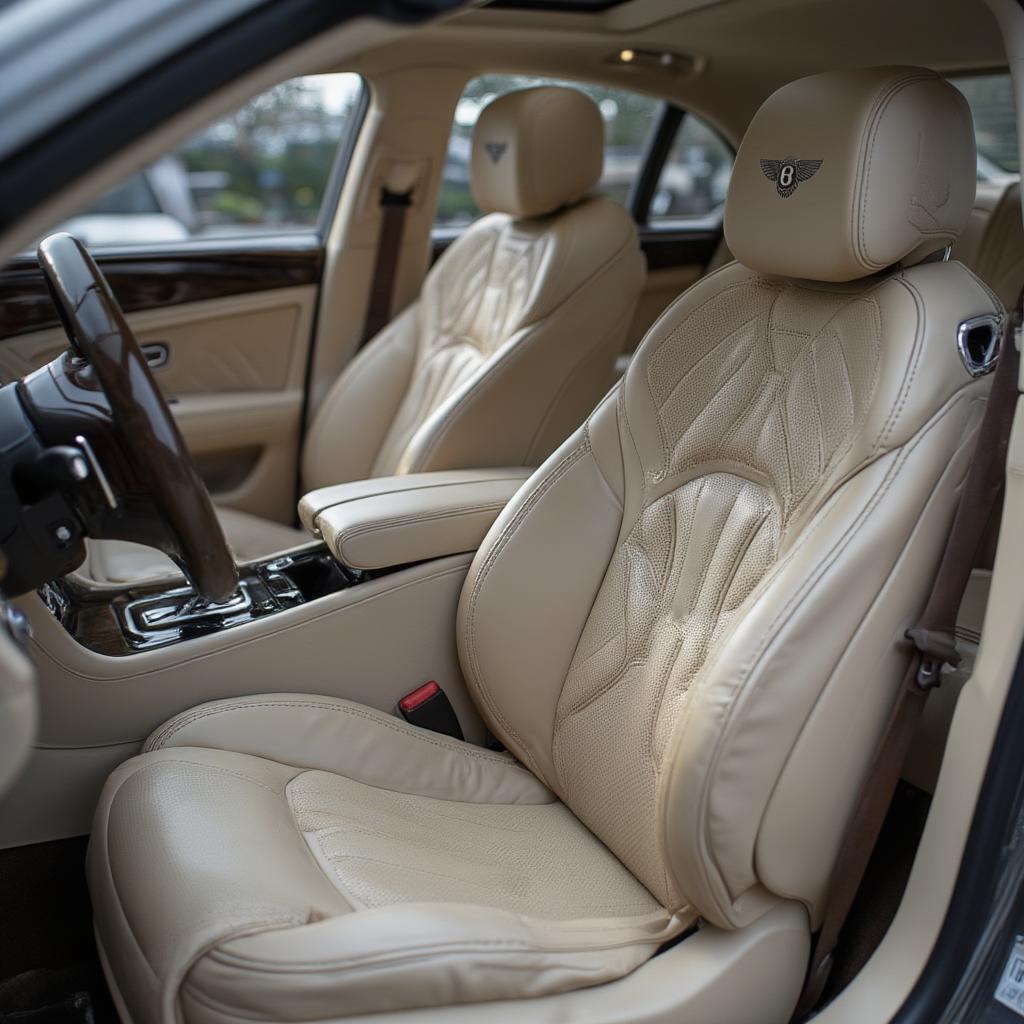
<point x="686" y="629"/>
<point x="509" y="345"/>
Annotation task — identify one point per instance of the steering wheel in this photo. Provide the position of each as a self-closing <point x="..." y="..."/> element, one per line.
<point x="142" y="425"/>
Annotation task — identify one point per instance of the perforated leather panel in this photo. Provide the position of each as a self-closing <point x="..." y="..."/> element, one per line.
<point x="472" y="305"/>
<point x="383" y="847"/>
<point x="735" y="462"/>
<point x="755" y="392"/>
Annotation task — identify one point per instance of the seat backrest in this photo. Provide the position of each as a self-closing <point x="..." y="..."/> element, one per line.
<point x="689" y="622"/>
<point x="516" y="330"/>
<point x="993" y="243"/>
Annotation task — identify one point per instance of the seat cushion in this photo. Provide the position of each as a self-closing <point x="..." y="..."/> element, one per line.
<point x="288" y="857"/>
<point x="250" y="538"/>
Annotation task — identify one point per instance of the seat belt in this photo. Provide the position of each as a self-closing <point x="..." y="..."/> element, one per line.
<point x="934" y="643"/>
<point x="394" y="205"/>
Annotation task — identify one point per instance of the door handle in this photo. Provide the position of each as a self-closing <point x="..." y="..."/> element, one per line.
<point x="156" y="353"/>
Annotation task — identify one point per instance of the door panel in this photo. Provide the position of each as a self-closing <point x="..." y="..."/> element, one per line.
<point x="158" y="276"/>
<point x="234" y="374"/>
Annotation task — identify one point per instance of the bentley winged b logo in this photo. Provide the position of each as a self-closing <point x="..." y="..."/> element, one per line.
<point x="788" y="173"/>
<point x="495" y="150"/>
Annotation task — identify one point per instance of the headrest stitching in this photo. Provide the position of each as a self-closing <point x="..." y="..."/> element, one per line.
<point x="882" y="102"/>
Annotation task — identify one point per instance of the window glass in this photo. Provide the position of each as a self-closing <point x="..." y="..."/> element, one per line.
<point x="628" y="119"/>
<point x="695" y="177"/>
<point x="263" y="169"/>
<point x="995" y="126"/>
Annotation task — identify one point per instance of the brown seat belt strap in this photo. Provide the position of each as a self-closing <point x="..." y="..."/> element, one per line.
<point x="934" y="643"/>
<point x="393" y="209"/>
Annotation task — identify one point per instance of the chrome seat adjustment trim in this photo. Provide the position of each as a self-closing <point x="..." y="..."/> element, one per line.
<point x="977" y="341"/>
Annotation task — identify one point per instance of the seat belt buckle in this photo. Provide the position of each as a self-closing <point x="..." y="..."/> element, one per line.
<point x="428" y="707"/>
<point x="937" y="648"/>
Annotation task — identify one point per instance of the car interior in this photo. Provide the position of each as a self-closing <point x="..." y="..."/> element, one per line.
<point x="478" y="499"/>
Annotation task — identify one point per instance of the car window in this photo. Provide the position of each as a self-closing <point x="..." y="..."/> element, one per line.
<point x="629" y="119"/>
<point x="995" y="126"/>
<point x="264" y="169"/>
<point x="695" y="177"/>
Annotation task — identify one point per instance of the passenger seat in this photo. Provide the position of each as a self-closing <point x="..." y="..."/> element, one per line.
<point x="509" y="346"/>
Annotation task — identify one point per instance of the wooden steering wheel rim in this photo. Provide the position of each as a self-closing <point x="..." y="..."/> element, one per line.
<point x="98" y="332"/>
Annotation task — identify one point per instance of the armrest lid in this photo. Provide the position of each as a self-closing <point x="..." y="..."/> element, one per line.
<point x="373" y="524"/>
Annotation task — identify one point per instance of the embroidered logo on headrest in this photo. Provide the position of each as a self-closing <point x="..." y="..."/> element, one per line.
<point x="495" y="150"/>
<point x="788" y="173"/>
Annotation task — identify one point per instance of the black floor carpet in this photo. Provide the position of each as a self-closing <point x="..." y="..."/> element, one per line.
<point x="49" y="970"/>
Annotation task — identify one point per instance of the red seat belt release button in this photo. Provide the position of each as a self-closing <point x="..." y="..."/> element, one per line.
<point x="429" y="708"/>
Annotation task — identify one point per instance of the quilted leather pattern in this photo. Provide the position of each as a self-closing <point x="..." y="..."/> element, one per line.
<point x="474" y="303"/>
<point x="772" y="378"/>
<point x="756" y="393"/>
<point x="383" y="847"/>
<point x="673" y="588"/>
<point x="748" y="521"/>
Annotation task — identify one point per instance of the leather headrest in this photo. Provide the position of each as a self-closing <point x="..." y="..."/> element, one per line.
<point x="843" y="174"/>
<point x="536" y="150"/>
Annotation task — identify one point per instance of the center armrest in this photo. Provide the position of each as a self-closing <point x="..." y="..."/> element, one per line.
<point x="394" y="520"/>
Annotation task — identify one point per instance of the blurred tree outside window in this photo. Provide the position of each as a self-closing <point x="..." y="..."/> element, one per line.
<point x="264" y="169"/>
<point x="990" y="98"/>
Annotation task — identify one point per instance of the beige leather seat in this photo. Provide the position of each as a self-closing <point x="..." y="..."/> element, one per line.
<point x="511" y="342"/>
<point x="992" y="244"/>
<point x="686" y="628"/>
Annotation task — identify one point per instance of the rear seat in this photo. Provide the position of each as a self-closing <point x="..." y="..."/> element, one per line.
<point x="992" y="245"/>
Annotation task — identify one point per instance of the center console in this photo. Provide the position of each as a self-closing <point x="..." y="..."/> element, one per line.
<point x="366" y="611"/>
<point x="362" y="531"/>
<point x="149" y="616"/>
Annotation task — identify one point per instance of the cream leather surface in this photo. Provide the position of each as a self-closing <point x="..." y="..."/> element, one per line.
<point x="19" y="709"/>
<point x="687" y="627"/>
<point x="372" y="829"/>
<point x="389" y="521"/>
<point x="536" y="150"/>
<point x="250" y="537"/>
<point x="890" y="174"/>
<point x="315" y="502"/>
<point x="508" y="347"/>
<point x="515" y="332"/>
<point x="994" y="247"/>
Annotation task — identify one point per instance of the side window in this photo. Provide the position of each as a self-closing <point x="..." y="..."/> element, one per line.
<point x="264" y="169"/>
<point x="995" y="126"/>
<point x="695" y="175"/>
<point x="629" y="119"/>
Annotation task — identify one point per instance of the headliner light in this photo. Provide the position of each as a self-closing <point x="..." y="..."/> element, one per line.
<point x="653" y="60"/>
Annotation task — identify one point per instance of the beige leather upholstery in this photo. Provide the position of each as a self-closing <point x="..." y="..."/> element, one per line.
<point x="19" y="709"/>
<point x="250" y="537"/>
<point x="536" y="150"/>
<point x="373" y="524"/>
<point x="315" y="502"/>
<point x="513" y="337"/>
<point x="508" y="347"/>
<point x="880" y="174"/>
<point x="339" y="829"/>
<point x="687" y="628"/>
<point x="993" y="246"/>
